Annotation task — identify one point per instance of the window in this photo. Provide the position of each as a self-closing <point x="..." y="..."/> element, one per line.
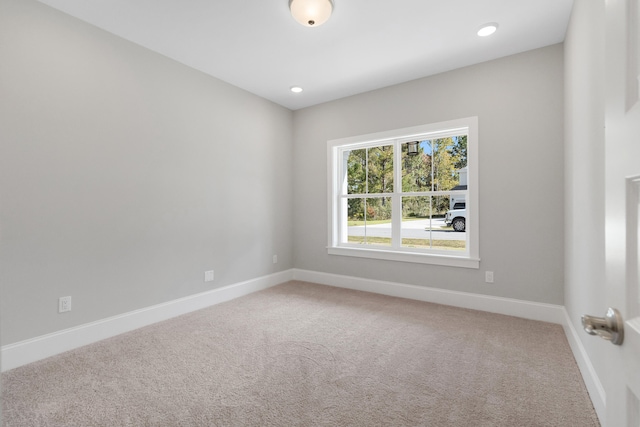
<point x="406" y="195"/>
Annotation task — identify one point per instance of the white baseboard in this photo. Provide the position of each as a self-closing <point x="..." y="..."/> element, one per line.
<point x="23" y="352"/>
<point x="512" y="307"/>
<point x="592" y="381"/>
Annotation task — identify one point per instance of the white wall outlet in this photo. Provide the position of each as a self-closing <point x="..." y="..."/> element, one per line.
<point x="275" y="259"/>
<point x="64" y="304"/>
<point x="208" y="276"/>
<point x="488" y="276"/>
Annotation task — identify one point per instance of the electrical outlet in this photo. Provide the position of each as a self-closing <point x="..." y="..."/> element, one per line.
<point x="208" y="276"/>
<point x="488" y="276"/>
<point x="275" y="259"/>
<point x="64" y="304"/>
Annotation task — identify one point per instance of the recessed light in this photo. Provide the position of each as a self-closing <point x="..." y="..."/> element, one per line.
<point x="487" y="29"/>
<point x="296" y="89"/>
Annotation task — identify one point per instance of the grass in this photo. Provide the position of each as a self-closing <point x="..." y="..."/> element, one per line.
<point x="352" y="223"/>
<point x="456" y="245"/>
<point x="368" y="222"/>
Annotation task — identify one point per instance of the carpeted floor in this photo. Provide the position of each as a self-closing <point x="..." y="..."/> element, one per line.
<point x="301" y="354"/>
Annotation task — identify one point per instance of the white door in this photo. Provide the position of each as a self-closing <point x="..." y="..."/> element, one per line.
<point x="622" y="198"/>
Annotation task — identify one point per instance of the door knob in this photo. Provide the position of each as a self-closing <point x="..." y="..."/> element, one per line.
<point x="610" y="327"/>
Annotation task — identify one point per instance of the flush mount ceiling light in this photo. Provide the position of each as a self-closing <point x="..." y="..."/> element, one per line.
<point x="311" y="13"/>
<point x="296" y="89"/>
<point x="488" y="29"/>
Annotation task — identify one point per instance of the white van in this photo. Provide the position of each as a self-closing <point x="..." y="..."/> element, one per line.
<point x="457" y="217"/>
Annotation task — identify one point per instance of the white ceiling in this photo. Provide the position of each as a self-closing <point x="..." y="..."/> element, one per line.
<point x="366" y="44"/>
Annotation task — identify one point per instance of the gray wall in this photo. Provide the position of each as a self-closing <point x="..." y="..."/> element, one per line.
<point x="584" y="170"/>
<point x="125" y="175"/>
<point x="519" y="103"/>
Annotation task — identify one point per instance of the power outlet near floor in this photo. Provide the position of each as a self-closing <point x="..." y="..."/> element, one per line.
<point x="208" y="276"/>
<point x="488" y="276"/>
<point x="64" y="304"/>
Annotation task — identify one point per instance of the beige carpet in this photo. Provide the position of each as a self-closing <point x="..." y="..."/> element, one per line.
<point x="301" y="354"/>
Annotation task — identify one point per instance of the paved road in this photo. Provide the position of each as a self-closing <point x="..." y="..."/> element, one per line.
<point x="410" y="229"/>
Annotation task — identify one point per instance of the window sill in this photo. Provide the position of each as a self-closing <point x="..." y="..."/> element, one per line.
<point x="420" y="258"/>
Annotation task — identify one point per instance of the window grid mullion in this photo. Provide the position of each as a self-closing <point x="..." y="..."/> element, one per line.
<point x="396" y="212"/>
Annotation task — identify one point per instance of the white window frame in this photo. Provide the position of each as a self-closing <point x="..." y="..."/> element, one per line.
<point x="470" y="258"/>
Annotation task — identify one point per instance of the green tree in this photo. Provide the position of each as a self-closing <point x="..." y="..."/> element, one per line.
<point x="444" y="175"/>
<point x="416" y="176"/>
<point x="356" y="182"/>
<point x="459" y="151"/>
<point x="370" y="171"/>
<point x="416" y="171"/>
<point x="380" y="169"/>
<point x="380" y="179"/>
<point x="434" y="168"/>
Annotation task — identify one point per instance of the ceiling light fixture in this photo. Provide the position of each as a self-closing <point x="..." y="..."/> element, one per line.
<point x="311" y="13"/>
<point x="296" y="89"/>
<point x="488" y="29"/>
